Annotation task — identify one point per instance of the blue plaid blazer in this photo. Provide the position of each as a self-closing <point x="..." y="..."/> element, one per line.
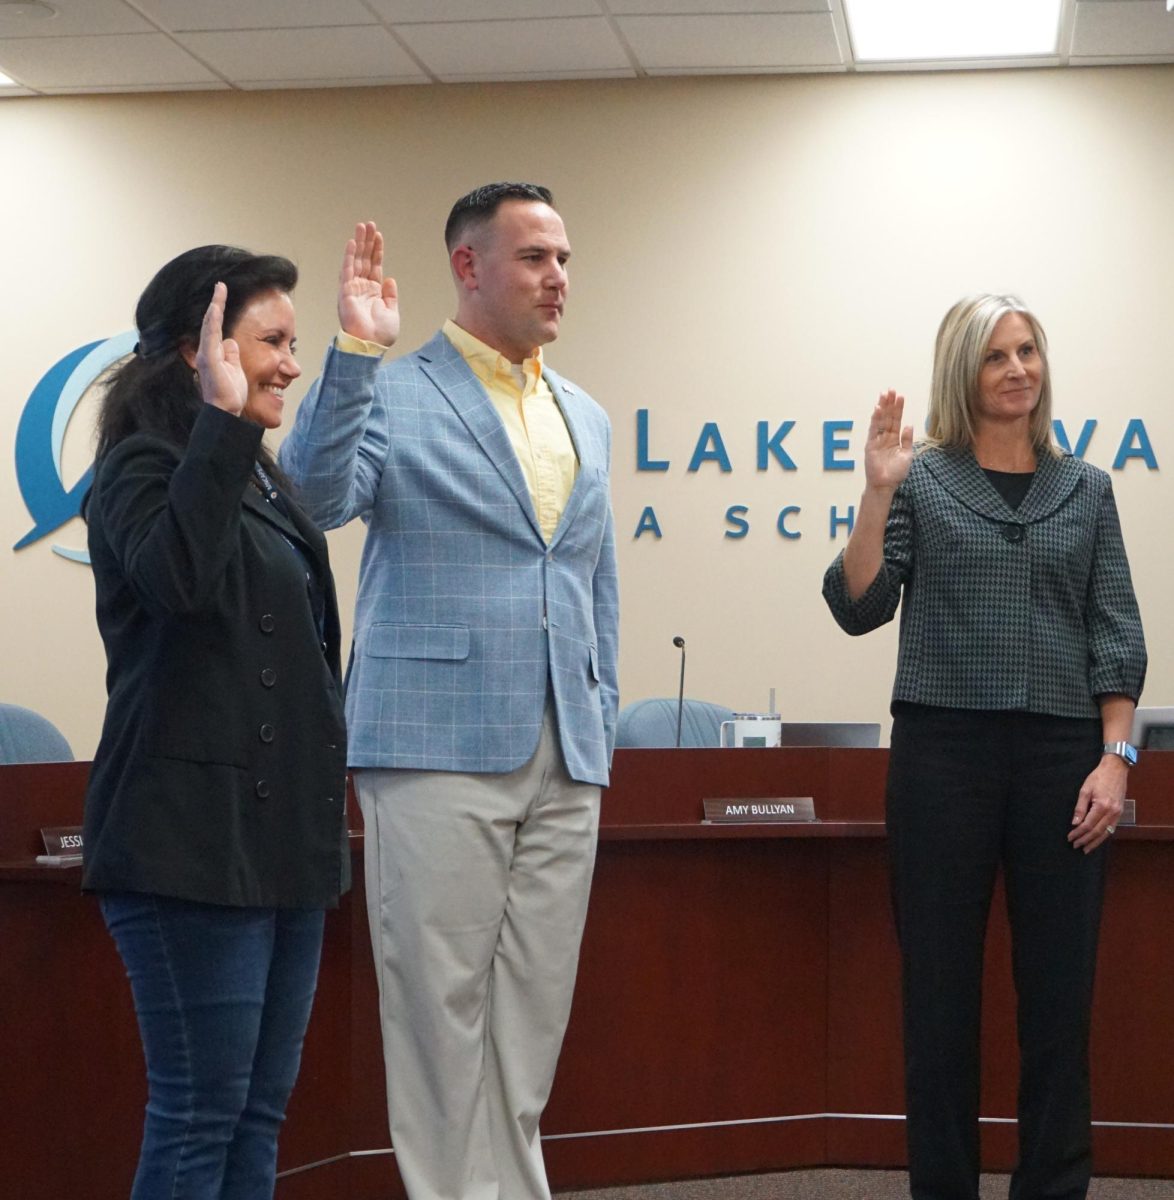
<point x="1028" y="609"/>
<point x="464" y="612"/>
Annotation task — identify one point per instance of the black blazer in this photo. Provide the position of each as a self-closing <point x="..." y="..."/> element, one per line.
<point x="221" y="771"/>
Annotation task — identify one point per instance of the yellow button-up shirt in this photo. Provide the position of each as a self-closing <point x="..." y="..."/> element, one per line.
<point x="537" y="429"/>
<point x="532" y="418"/>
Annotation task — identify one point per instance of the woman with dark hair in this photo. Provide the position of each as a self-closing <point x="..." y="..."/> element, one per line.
<point x="215" y="829"/>
<point x="1020" y="660"/>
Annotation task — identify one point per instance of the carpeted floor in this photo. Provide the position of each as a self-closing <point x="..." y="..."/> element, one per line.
<point x="846" y="1185"/>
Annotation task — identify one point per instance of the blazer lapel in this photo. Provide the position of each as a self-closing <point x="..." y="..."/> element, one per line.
<point x="958" y="472"/>
<point x="570" y="405"/>
<point x="1055" y="480"/>
<point x="295" y="528"/>
<point x="441" y="361"/>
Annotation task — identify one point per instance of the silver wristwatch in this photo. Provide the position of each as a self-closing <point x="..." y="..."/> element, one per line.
<point x="1123" y="750"/>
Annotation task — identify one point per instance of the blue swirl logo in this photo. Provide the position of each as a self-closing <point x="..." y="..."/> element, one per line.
<point x="41" y="435"/>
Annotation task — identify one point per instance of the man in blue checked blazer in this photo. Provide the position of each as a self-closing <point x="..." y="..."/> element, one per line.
<point x="482" y="694"/>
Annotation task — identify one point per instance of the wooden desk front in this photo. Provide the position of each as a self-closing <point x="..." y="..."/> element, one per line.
<point x="737" y="1007"/>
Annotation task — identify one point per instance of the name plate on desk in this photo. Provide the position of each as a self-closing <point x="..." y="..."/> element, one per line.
<point x="63" y="846"/>
<point x="62" y="839"/>
<point x="754" y="811"/>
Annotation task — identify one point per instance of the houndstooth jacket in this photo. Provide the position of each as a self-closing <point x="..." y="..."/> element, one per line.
<point x="1029" y="609"/>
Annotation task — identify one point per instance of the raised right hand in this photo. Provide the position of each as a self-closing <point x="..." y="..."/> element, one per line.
<point x="218" y="360"/>
<point x="888" y="450"/>
<point x="368" y="304"/>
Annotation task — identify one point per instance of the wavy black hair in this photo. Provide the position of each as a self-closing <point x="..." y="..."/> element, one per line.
<point x="155" y="390"/>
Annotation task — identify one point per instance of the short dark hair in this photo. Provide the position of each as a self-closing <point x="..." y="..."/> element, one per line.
<point x="481" y="203"/>
<point x="153" y="391"/>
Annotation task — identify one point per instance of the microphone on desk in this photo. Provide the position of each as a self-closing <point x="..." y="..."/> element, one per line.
<point x="679" y="642"/>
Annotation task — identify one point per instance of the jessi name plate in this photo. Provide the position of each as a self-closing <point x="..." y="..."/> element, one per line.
<point x="745" y="811"/>
<point x="63" y="846"/>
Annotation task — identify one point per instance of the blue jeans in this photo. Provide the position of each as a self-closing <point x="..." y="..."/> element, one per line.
<point x="223" y="997"/>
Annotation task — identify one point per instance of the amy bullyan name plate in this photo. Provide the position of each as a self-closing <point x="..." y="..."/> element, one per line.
<point x="747" y="811"/>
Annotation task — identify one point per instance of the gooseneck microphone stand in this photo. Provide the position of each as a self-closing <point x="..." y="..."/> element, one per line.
<point x="679" y="642"/>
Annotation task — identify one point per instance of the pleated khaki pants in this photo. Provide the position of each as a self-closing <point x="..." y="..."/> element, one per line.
<point x="477" y="891"/>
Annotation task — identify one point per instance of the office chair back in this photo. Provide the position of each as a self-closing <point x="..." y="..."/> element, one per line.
<point x="653" y="723"/>
<point x="26" y="736"/>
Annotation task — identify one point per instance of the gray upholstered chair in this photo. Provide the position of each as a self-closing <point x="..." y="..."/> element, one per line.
<point x="651" y="723"/>
<point x="26" y="736"/>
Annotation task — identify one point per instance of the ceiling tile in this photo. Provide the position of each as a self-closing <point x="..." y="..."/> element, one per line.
<point x="74" y="18"/>
<point x="107" y="61"/>
<point x="183" y="15"/>
<point x="733" y="42"/>
<point x="542" y="48"/>
<point x="427" y="11"/>
<point x="623" y="8"/>
<point x="1122" y="28"/>
<point x="310" y="54"/>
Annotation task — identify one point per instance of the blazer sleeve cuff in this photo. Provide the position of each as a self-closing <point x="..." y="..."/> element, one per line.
<point x="868" y="611"/>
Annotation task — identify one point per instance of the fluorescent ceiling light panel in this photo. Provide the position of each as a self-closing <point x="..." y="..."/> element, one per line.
<point x="918" y="30"/>
<point x="6" y="82"/>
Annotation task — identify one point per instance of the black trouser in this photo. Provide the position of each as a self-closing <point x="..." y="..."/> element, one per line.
<point x="966" y="792"/>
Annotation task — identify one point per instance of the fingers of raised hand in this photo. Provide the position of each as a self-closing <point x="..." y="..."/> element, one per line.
<point x="892" y="405"/>
<point x="369" y="250"/>
<point x="376" y="254"/>
<point x="347" y="271"/>
<point x="885" y="402"/>
<point x="213" y="323"/>
<point x="886" y="417"/>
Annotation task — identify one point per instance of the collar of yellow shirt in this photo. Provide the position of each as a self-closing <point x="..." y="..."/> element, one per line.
<point x="487" y="363"/>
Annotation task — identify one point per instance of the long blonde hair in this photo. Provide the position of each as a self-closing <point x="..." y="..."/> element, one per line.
<point x="963" y="337"/>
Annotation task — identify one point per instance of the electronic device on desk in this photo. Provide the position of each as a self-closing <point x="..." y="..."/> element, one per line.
<point x="859" y="734"/>
<point x="1153" y="729"/>
<point x="750" y="730"/>
<point x="769" y="729"/>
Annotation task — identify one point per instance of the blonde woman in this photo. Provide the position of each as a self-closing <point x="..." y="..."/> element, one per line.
<point x="1020" y="660"/>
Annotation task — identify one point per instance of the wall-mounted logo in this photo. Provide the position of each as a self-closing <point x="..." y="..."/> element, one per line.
<point x="41" y="435"/>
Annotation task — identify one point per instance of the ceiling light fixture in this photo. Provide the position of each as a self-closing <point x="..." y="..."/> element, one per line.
<point x="943" y="30"/>
<point x="6" y="82"/>
<point x="33" y="10"/>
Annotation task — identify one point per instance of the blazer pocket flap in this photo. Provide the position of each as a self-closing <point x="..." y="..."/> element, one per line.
<point x="418" y="641"/>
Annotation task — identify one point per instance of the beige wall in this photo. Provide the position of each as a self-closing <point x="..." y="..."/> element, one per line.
<point x="746" y="249"/>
